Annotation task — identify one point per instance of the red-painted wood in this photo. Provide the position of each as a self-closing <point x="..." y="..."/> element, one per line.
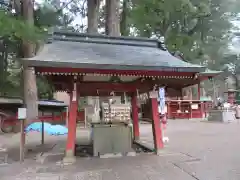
<point x="102" y="87"/>
<point x="201" y="104"/>
<point x="135" y="117"/>
<point x="106" y="86"/>
<point x="72" y="122"/>
<point x="12" y="120"/>
<point x="168" y="109"/>
<point x="156" y="125"/>
<point x="69" y="108"/>
<point x="174" y="106"/>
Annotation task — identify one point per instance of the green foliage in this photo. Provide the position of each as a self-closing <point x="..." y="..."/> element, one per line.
<point x="45" y="16"/>
<point x="201" y="30"/>
<point x="216" y="31"/>
<point x="159" y="17"/>
<point x="45" y="90"/>
<point x="13" y="30"/>
<point x="175" y="20"/>
<point x="198" y="29"/>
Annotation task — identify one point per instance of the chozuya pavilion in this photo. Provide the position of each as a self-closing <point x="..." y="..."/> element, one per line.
<point x="107" y="67"/>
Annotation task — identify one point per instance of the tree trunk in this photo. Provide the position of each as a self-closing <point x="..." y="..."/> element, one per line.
<point x="112" y="26"/>
<point x="29" y="77"/>
<point x="124" y="29"/>
<point x="93" y="12"/>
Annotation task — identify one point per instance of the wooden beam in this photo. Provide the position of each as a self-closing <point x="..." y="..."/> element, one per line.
<point x="106" y="86"/>
<point x="93" y="87"/>
<point x="121" y="87"/>
<point x="64" y="83"/>
<point x="98" y="93"/>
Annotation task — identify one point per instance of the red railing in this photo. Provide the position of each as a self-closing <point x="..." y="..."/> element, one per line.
<point x="60" y="118"/>
<point x="181" y="109"/>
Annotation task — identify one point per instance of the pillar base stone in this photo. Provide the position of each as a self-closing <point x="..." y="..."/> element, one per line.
<point x="69" y="158"/>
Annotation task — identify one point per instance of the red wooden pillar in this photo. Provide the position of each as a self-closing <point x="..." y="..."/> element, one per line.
<point x="72" y="123"/>
<point x="135" y="117"/>
<point x="69" y="107"/>
<point x="201" y="104"/>
<point x="156" y="126"/>
<point x="168" y="110"/>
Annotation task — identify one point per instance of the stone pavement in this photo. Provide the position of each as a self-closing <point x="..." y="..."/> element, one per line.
<point x="142" y="167"/>
<point x="216" y="145"/>
<point x="196" y="151"/>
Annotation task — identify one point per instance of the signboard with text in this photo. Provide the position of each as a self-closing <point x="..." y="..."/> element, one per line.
<point x="22" y="113"/>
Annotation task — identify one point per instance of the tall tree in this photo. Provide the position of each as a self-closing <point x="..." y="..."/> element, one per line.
<point x="124" y="24"/>
<point x="215" y="32"/>
<point x="29" y="77"/>
<point x="92" y="13"/>
<point x="21" y="31"/>
<point x="176" y="21"/>
<point x="195" y="28"/>
<point x="112" y="23"/>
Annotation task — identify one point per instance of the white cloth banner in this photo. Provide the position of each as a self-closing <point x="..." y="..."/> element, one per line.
<point x="162" y="100"/>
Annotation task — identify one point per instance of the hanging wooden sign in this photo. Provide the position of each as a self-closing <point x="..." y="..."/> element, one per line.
<point x="194" y="106"/>
<point x="74" y="96"/>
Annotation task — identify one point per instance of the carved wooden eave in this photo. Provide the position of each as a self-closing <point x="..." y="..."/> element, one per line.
<point x="111" y="75"/>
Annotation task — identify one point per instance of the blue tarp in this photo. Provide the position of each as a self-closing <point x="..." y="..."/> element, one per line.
<point x="48" y="128"/>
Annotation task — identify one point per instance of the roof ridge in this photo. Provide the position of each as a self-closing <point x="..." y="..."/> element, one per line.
<point x="105" y="39"/>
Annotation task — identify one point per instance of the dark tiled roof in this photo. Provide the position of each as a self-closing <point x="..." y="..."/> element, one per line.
<point x="10" y="100"/>
<point x="209" y="72"/>
<point x="19" y="101"/>
<point x="103" y="52"/>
